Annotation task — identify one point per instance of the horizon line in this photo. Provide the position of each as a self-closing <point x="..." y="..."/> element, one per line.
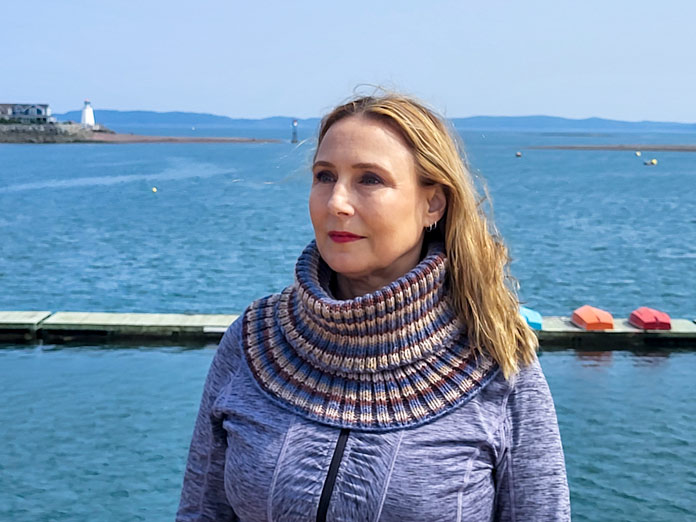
<point x="446" y="117"/>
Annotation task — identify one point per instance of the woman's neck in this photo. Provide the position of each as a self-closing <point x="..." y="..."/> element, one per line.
<point x="344" y="287"/>
<point x="350" y="288"/>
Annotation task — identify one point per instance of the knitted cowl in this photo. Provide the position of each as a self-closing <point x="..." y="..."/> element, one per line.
<point x="391" y="359"/>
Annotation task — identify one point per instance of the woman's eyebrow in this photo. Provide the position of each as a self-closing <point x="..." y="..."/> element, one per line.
<point x="321" y="163"/>
<point x="369" y="166"/>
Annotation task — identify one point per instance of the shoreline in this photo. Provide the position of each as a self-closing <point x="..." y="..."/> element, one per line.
<point x="74" y="133"/>
<point x="117" y="138"/>
<point x="621" y="147"/>
<point x="144" y="138"/>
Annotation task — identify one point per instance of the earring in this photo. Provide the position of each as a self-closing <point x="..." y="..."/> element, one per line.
<point x="431" y="227"/>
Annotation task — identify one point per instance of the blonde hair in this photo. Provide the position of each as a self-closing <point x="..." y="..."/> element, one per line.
<point x="483" y="291"/>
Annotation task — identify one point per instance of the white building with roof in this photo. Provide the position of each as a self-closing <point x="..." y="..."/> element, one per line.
<point x="26" y="113"/>
<point x="87" y="119"/>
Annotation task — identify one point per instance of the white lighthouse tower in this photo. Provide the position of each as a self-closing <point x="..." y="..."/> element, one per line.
<point x="87" y="115"/>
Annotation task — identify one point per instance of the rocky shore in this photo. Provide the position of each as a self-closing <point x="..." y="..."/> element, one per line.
<point x="76" y="133"/>
<point x="48" y="133"/>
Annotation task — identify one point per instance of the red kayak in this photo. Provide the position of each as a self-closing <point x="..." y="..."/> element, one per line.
<point x="650" y="319"/>
<point x="590" y="318"/>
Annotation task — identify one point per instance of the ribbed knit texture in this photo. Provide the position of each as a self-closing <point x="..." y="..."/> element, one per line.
<point x="391" y="359"/>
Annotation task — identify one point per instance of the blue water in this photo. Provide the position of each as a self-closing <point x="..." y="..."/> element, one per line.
<point x="81" y="228"/>
<point x="90" y="433"/>
<point x="95" y="433"/>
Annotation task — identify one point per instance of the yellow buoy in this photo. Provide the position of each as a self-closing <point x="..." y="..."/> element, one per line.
<point x="639" y="153"/>
<point x="653" y="161"/>
<point x="154" y="189"/>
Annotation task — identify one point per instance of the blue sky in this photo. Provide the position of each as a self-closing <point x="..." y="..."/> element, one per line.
<point x="629" y="60"/>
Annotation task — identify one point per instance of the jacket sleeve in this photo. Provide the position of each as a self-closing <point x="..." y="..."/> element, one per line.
<point x="531" y="481"/>
<point x="203" y="492"/>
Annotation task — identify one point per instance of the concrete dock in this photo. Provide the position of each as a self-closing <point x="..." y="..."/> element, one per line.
<point x="32" y="327"/>
<point x="560" y="332"/>
<point x="108" y="328"/>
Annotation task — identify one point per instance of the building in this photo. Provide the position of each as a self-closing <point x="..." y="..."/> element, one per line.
<point x="26" y="113"/>
<point x="87" y="118"/>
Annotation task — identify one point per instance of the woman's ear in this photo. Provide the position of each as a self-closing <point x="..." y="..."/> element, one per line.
<point x="437" y="203"/>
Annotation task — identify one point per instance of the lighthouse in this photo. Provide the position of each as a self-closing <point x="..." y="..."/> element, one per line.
<point x="87" y="115"/>
<point x="294" y="131"/>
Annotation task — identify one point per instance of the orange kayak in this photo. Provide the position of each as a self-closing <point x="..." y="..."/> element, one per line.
<point x="590" y="318"/>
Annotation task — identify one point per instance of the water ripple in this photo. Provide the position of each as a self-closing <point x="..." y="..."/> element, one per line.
<point x="170" y="174"/>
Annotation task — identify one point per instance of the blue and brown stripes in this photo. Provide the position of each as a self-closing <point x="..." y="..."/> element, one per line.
<point x="391" y="359"/>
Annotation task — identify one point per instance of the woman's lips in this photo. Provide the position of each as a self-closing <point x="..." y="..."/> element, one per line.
<point x="343" y="237"/>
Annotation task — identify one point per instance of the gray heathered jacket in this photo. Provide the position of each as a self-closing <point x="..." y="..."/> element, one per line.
<point x="497" y="457"/>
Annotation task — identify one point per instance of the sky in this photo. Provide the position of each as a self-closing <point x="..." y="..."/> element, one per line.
<point x="616" y="59"/>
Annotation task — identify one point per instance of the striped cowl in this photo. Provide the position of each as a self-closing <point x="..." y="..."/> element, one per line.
<point x="392" y="359"/>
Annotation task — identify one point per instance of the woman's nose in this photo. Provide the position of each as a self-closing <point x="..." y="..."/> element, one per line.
<point x="340" y="200"/>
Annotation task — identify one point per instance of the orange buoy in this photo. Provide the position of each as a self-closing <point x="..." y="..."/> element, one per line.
<point x="650" y="319"/>
<point x="590" y="318"/>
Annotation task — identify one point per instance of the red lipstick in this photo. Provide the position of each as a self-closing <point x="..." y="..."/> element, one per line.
<point x="343" y="237"/>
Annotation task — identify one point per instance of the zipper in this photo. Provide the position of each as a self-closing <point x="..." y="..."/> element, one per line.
<point x="331" y="476"/>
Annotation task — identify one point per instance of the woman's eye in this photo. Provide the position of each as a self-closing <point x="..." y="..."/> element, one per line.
<point x="323" y="176"/>
<point x="371" y="179"/>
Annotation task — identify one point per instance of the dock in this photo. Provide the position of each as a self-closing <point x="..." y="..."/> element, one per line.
<point x="560" y="333"/>
<point x="44" y="327"/>
<point x="109" y="328"/>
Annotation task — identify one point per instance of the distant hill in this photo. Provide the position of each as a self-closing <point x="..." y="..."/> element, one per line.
<point x="510" y="123"/>
<point x="553" y="123"/>
<point x="173" y="119"/>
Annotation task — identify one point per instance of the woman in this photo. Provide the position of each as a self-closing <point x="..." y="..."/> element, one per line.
<point x="394" y="380"/>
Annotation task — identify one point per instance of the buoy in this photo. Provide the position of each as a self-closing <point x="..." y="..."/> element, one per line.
<point x="639" y="153"/>
<point x="653" y="161"/>
<point x="154" y="189"/>
<point x="518" y="154"/>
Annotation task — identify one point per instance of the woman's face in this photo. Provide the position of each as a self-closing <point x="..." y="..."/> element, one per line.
<point x="367" y="205"/>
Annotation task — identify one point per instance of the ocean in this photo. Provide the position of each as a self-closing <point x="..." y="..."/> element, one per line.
<point x="102" y="432"/>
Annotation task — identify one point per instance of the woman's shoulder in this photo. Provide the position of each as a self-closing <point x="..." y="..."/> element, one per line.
<point x="230" y="348"/>
<point x="232" y="337"/>
<point x="228" y="355"/>
<point x="529" y="377"/>
<point x="530" y="393"/>
<point x="523" y="389"/>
